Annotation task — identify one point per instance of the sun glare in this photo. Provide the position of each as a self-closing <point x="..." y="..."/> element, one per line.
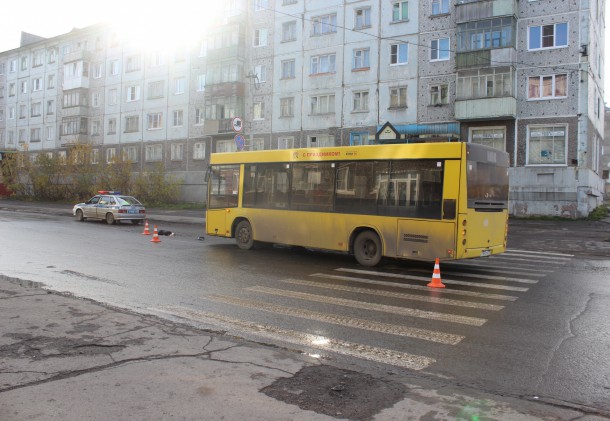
<point x="179" y="26"/>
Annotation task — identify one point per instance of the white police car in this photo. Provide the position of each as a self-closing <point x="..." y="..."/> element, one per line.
<point x="112" y="207"/>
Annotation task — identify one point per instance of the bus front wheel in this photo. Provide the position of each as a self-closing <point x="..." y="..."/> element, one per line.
<point x="367" y="248"/>
<point x="243" y="235"/>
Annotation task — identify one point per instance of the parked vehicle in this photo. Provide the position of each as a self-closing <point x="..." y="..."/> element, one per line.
<point x="112" y="207"/>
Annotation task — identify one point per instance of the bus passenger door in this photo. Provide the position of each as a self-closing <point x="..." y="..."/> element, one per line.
<point x="216" y="222"/>
<point x="425" y="240"/>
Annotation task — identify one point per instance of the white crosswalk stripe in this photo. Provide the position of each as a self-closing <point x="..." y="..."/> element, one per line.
<point x="470" y="286"/>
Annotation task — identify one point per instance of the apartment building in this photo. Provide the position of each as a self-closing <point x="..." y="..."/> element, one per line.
<point x="521" y="76"/>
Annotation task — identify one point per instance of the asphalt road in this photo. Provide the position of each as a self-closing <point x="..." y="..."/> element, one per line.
<point x="532" y="323"/>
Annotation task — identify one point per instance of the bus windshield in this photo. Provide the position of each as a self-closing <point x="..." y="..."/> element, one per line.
<point x="487" y="179"/>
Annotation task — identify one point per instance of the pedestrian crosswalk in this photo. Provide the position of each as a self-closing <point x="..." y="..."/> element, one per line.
<point x="326" y="312"/>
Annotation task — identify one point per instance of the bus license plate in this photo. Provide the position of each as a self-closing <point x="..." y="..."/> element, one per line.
<point x="486" y="253"/>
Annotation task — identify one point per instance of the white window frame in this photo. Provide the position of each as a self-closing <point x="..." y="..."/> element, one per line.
<point x="288" y="69"/>
<point x="323" y="64"/>
<point x="437" y="53"/>
<point x="260" y="37"/>
<point x="110" y="155"/>
<point x="396" y="92"/>
<point x="488" y="136"/>
<point x="258" y="110"/>
<point x="360" y="101"/>
<point x="132" y="93"/>
<point x="436" y="94"/>
<point x="324" y="24"/>
<point x="362" y="17"/>
<point x="177" y="151"/>
<point x="322" y="104"/>
<point x="541" y="36"/>
<point x="285" y="142"/>
<point x="531" y="130"/>
<point x="289" y="31"/>
<point x="540" y="87"/>
<point x="154" y="121"/>
<point x="396" y="52"/>
<point x="199" y="150"/>
<point x="178" y="118"/>
<point x="440" y="7"/>
<point x="399" y="9"/>
<point x="361" y="59"/>
<point x="287" y="107"/>
<point x="320" y="141"/>
<point x="153" y="153"/>
<point x="179" y="85"/>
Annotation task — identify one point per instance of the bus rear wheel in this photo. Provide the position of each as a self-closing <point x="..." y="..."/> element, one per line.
<point x="367" y="248"/>
<point x="243" y="235"/>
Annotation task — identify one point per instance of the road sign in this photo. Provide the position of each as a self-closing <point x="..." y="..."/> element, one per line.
<point x="240" y="142"/>
<point x="237" y="124"/>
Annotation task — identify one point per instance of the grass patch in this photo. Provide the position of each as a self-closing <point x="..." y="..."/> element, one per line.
<point x="598" y="213"/>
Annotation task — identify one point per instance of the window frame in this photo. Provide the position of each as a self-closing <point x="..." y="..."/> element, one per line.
<point x="438" y="49"/>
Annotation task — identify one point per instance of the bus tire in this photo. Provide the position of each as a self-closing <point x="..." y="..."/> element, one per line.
<point x="243" y="235"/>
<point x="367" y="248"/>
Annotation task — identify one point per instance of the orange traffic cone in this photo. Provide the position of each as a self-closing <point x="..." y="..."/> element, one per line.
<point x="146" y="231"/>
<point x="155" y="238"/>
<point x="436" y="276"/>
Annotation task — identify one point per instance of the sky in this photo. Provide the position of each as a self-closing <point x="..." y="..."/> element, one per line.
<point x="58" y="17"/>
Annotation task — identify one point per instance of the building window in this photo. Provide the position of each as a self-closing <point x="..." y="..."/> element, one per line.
<point x="485" y="34"/>
<point x="323" y="64"/>
<point x="485" y="83"/>
<point x="37" y="84"/>
<point x="361" y="101"/>
<point x="439" y="49"/>
<point x="112" y="126"/>
<point x="132" y="124"/>
<point x="114" y="67"/>
<point x="398" y="97"/>
<point x="24" y="86"/>
<point x="285" y="142"/>
<point x="226" y="146"/>
<point x="440" y="7"/>
<point x="157" y="59"/>
<point x="548" y="36"/>
<point x="130" y="153"/>
<point x="361" y="59"/>
<point x="74" y="125"/>
<point x="260" y="71"/>
<point x="24" y="63"/>
<point x="546" y="145"/>
<point x="51" y="82"/>
<point x="154" y="121"/>
<point x="156" y="89"/>
<point x="547" y="87"/>
<point x="288" y="69"/>
<point x="289" y="31"/>
<point x="322" y="104"/>
<point x="113" y="97"/>
<point x="322" y="141"/>
<point x="260" y="5"/>
<point x="97" y="70"/>
<point x="362" y="18"/>
<point x="399" y="53"/>
<point x="258" y="109"/>
<point x="36" y="110"/>
<point x="400" y="11"/>
<point x="95" y="99"/>
<point x="110" y="155"/>
<point x="95" y="128"/>
<point x="12" y="90"/>
<point x="324" y="24"/>
<point x="358" y="138"/>
<point x="52" y="56"/>
<point x="23" y="111"/>
<point x="12" y="66"/>
<point x="199" y="150"/>
<point x="489" y="136"/>
<point x="179" y="84"/>
<point x="177" y="152"/>
<point x="133" y="64"/>
<point x="178" y="118"/>
<point x="260" y="37"/>
<point x="35" y="134"/>
<point x="200" y="83"/>
<point x="133" y="93"/>
<point x="50" y="133"/>
<point x="154" y="153"/>
<point x="439" y="94"/>
<point x="199" y="116"/>
<point x="287" y="107"/>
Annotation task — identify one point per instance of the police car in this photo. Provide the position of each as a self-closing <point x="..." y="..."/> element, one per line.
<point x="112" y="207"/>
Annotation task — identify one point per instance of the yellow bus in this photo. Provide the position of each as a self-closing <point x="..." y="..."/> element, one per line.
<point x="418" y="201"/>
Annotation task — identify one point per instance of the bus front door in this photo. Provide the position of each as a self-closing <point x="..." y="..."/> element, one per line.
<point x="216" y="222"/>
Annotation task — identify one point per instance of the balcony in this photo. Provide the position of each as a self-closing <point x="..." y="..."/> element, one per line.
<point x="77" y="111"/>
<point x="80" y="55"/>
<point x="225" y="89"/>
<point x="486" y="108"/>
<point x="73" y="139"/>
<point x="485" y="58"/>
<point x="218" y="126"/>
<point x="232" y="52"/>
<point x="471" y="10"/>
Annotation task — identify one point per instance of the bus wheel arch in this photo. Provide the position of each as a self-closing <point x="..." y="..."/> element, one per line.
<point x="242" y="231"/>
<point x="366" y="246"/>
